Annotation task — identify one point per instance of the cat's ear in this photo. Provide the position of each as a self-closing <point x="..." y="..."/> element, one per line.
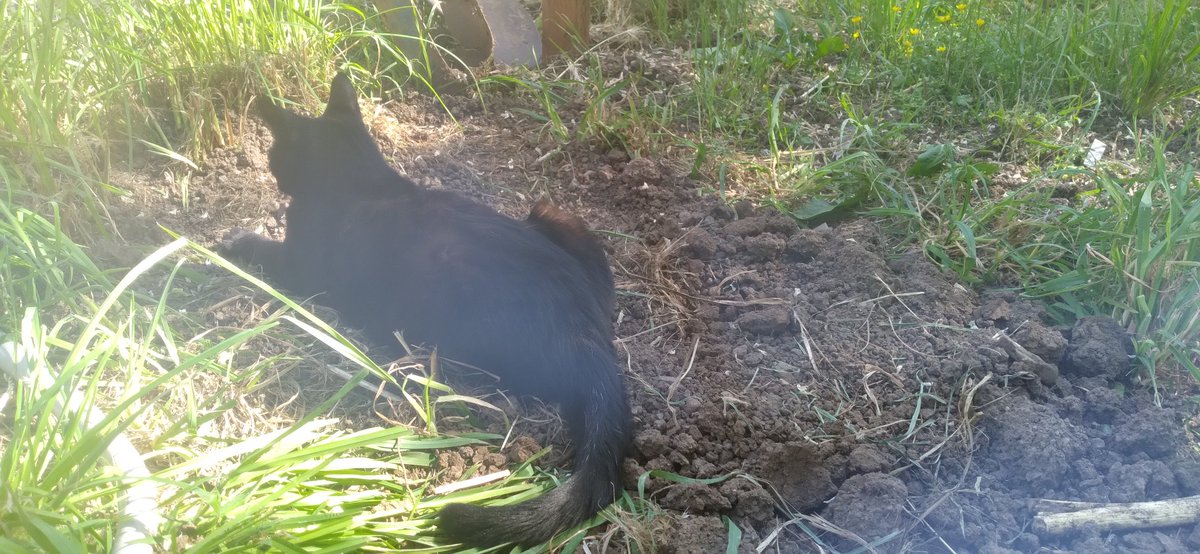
<point x="343" y="100"/>
<point x="276" y="117"/>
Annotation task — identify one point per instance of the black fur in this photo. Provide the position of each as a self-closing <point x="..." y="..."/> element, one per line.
<point x="530" y="301"/>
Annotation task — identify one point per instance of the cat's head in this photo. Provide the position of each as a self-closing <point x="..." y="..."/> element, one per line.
<point x="322" y="154"/>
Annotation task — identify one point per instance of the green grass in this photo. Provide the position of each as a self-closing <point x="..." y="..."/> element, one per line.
<point x="1136" y="256"/>
<point x="307" y="484"/>
<point x="1023" y="53"/>
<point x="951" y="127"/>
<point x="90" y="85"/>
<point x="755" y="73"/>
<point x="1126" y="247"/>
<point x="1019" y="87"/>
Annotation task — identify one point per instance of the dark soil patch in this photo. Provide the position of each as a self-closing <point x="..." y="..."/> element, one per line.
<point x="853" y="390"/>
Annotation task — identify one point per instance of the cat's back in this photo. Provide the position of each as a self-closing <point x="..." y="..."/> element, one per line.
<point x="461" y="231"/>
<point x="445" y="244"/>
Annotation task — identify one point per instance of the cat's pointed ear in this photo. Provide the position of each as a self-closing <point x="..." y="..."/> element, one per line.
<point x="276" y="117"/>
<point x="343" y="100"/>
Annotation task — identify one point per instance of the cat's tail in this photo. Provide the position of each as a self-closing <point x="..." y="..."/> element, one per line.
<point x="600" y="426"/>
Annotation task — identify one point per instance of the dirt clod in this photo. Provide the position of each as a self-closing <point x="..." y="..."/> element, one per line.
<point x="869" y="505"/>
<point x="1042" y="341"/>
<point x="868" y="459"/>
<point x="750" y="500"/>
<point x="797" y="473"/>
<point x="806" y="244"/>
<point x="1030" y="442"/>
<point x="695" y="499"/>
<point x="1098" y="347"/>
<point x="1153" y="432"/>
<point x="696" y="535"/>
<point x="767" y="321"/>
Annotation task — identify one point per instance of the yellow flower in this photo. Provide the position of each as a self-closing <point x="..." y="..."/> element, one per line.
<point x="856" y="35"/>
<point x="941" y="49"/>
<point x="960" y="7"/>
<point x="943" y="18"/>
<point x="979" y="22"/>
<point x="856" y="19"/>
<point x="896" y="9"/>
<point x="914" y="31"/>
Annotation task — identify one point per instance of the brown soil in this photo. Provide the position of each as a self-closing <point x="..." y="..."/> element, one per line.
<point x="855" y="392"/>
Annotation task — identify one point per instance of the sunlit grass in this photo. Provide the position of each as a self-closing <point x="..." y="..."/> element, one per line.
<point x="1137" y="56"/>
<point x="1019" y="87"/>
<point x="1128" y="247"/>
<point x="308" y="484"/>
<point x="89" y="85"/>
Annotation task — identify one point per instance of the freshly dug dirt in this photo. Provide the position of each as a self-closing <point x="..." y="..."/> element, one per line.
<point x="854" y="392"/>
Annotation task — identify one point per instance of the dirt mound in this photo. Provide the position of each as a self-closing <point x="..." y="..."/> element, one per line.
<point x="854" y="392"/>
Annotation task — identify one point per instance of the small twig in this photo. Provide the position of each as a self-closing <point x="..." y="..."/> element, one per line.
<point x="895" y="379"/>
<point x="806" y="342"/>
<point x="547" y="155"/>
<point x="1045" y="371"/>
<point x="866" y="383"/>
<point x="967" y="406"/>
<point x="904" y="343"/>
<point x="1120" y="517"/>
<point x="686" y="370"/>
<point x="813" y="89"/>
<point x="893" y="294"/>
<point x="650" y="330"/>
<point x="733" y="276"/>
<point x="838" y="303"/>
<point x="741" y="303"/>
<point x="1049" y="506"/>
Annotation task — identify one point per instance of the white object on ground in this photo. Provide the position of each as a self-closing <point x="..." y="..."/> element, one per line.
<point x="138" y="528"/>
<point x="1095" y="152"/>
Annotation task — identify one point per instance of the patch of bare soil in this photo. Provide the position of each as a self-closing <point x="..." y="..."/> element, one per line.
<point x="851" y="390"/>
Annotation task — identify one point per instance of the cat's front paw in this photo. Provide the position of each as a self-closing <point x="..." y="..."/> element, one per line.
<point x="240" y="244"/>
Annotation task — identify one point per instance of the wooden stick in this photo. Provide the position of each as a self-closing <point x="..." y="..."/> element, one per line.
<point x="1116" y="517"/>
<point x="1059" y="506"/>
<point x="562" y="22"/>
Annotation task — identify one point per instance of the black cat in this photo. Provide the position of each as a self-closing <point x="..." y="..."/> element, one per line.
<point x="530" y="301"/>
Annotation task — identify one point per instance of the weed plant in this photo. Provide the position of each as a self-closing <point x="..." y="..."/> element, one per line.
<point x="1133" y="253"/>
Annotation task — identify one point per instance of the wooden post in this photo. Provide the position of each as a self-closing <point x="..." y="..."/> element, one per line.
<point x="469" y="28"/>
<point x="564" y="22"/>
<point x="402" y="17"/>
